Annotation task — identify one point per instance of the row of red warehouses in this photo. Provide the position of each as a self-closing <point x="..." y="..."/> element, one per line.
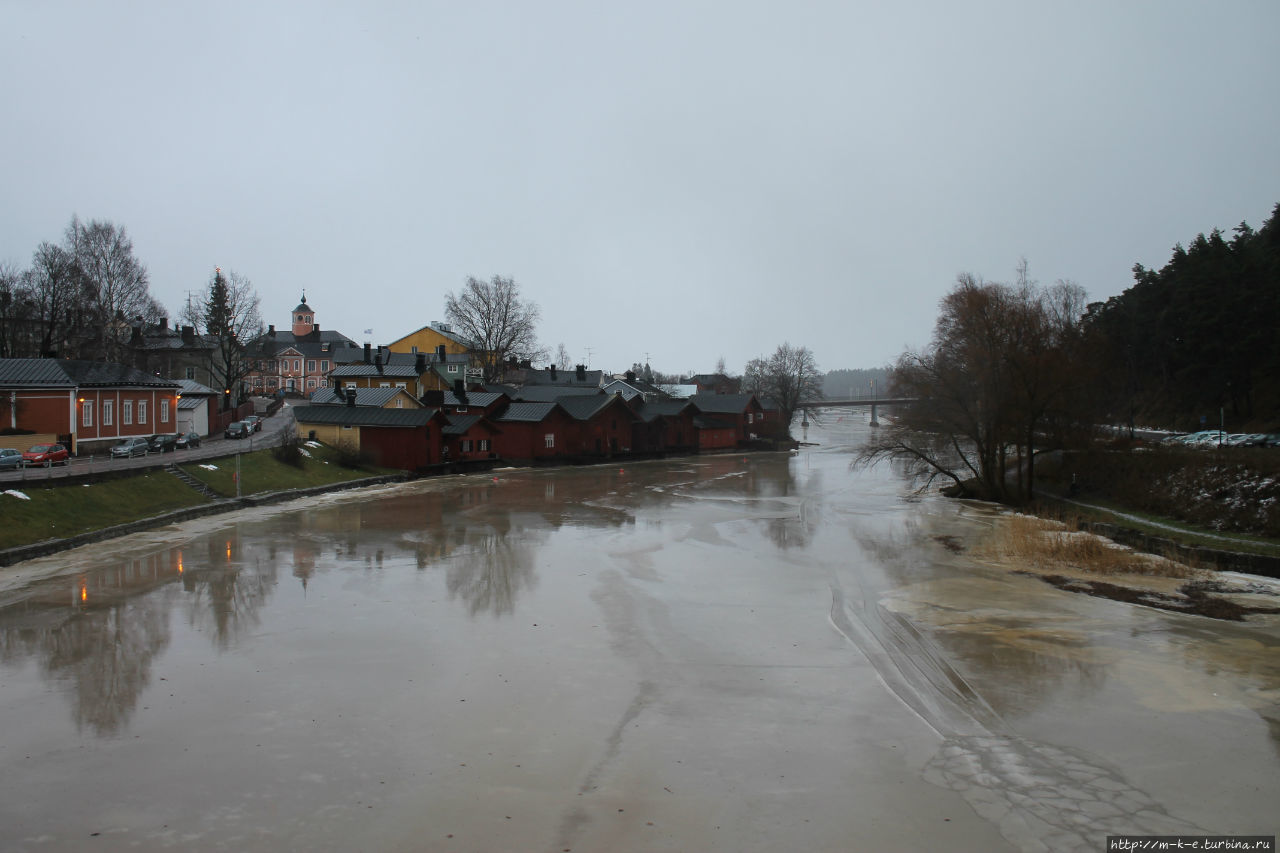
<point x="489" y="425"/>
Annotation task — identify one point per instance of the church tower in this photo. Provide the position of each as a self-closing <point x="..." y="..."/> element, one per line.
<point x="304" y="319"/>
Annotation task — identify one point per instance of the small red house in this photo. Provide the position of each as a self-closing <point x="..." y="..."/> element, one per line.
<point x="88" y="405"/>
<point x="533" y="431"/>
<point x="741" y="413"/>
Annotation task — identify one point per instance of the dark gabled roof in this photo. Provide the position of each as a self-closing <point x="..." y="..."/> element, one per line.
<point x="70" y="373"/>
<point x="650" y="411"/>
<point x="526" y="412"/>
<point x="395" y="371"/>
<point x="591" y="378"/>
<point x="722" y="404"/>
<point x="474" y="398"/>
<point x="311" y="345"/>
<point x="584" y="408"/>
<point x="549" y="393"/>
<point x="190" y="386"/>
<point x="364" y="396"/>
<point x="459" y="424"/>
<point x="500" y="388"/>
<point x="365" y="416"/>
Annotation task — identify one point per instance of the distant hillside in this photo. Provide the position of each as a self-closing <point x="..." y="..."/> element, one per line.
<point x="842" y="384"/>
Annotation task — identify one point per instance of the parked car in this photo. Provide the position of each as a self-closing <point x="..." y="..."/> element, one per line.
<point x="10" y="458"/>
<point x="236" y="429"/>
<point x="46" y="455"/>
<point x="161" y="443"/>
<point x="189" y="439"/>
<point x="137" y="446"/>
<point x="254" y="422"/>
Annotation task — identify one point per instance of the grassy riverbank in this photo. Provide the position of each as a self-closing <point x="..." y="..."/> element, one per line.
<point x="62" y="508"/>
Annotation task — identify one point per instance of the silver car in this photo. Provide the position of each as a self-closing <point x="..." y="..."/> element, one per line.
<point x="137" y="446"/>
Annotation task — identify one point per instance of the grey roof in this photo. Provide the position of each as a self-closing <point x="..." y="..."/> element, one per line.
<point x="364" y="396"/>
<point x="311" y="345"/>
<point x="190" y="386"/>
<point x="474" y="398"/>
<point x="191" y="402"/>
<point x="526" y="412"/>
<point x="459" y="424"/>
<point x="364" y="416"/>
<point x="394" y="371"/>
<point x="724" y="404"/>
<point x="69" y="373"/>
<point x="592" y="378"/>
<point x="582" y="408"/>
<point x="649" y="411"/>
<point x="549" y="393"/>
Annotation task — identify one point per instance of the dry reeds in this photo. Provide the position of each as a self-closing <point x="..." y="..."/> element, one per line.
<point x="1039" y="544"/>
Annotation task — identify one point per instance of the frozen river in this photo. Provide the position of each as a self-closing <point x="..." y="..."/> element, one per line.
<point x="727" y="653"/>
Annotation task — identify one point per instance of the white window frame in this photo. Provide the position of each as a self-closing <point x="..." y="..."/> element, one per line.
<point x="311" y="365"/>
<point x="466" y="445"/>
<point x="453" y="368"/>
<point x="86" y="413"/>
<point x="324" y="364"/>
<point x="482" y="444"/>
<point x="126" y="412"/>
<point x="142" y="412"/>
<point x="164" y="411"/>
<point x="550" y="439"/>
<point x="107" y="412"/>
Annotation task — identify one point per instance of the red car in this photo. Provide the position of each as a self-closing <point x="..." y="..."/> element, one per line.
<point x="46" y="455"/>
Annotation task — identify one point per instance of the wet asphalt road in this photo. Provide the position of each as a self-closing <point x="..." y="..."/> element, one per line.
<point x="210" y="447"/>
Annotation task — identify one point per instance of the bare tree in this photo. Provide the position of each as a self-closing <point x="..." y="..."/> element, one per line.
<point x="787" y="378"/>
<point x="497" y="321"/>
<point x="229" y="315"/>
<point x="117" y="282"/>
<point x="18" y="318"/>
<point x="999" y="383"/>
<point x="563" y="360"/>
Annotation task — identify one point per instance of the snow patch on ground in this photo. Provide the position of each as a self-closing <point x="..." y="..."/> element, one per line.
<point x="209" y="467"/>
<point x="304" y="452"/>
<point x="17" y="494"/>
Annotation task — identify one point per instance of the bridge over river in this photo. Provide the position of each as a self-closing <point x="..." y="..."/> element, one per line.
<point x="874" y="401"/>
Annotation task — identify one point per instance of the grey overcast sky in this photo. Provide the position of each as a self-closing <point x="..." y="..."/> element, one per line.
<point x="673" y="180"/>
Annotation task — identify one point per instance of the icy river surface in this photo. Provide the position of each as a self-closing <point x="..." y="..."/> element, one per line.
<point x="725" y="653"/>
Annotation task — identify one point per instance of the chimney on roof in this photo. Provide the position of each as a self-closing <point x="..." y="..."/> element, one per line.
<point x="420" y="363"/>
<point x="582" y="373"/>
<point x="164" y="324"/>
<point x="459" y="389"/>
<point x="351" y="396"/>
<point x="552" y="368"/>
<point x="368" y="354"/>
<point x="377" y="362"/>
<point x="433" y="399"/>
<point x="315" y="329"/>
<point x="188" y="335"/>
<point x="271" y="331"/>
<point x="337" y="387"/>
